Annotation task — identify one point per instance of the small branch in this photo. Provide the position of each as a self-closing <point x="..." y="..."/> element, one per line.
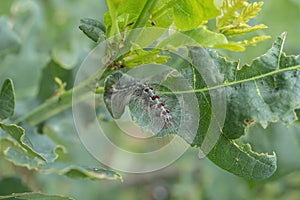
<point x="61" y="102"/>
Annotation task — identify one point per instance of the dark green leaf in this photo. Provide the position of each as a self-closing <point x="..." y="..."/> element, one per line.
<point x="241" y="160"/>
<point x="34" y="196"/>
<point x="94" y="29"/>
<point x="7" y="100"/>
<point x="48" y="87"/>
<point x="261" y="93"/>
<point x="266" y="91"/>
<point x="11" y="185"/>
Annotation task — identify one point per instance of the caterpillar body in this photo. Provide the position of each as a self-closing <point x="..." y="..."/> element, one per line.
<point x="149" y="109"/>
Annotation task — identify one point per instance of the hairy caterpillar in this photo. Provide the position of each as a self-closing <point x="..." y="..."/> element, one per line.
<point x="149" y="109"/>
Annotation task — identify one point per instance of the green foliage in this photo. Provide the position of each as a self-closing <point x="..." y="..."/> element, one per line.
<point x="283" y="140"/>
<point x="9" y="185"/>
<point x="138" y="56"/>
<point x="18" y="135"/>
<point x="34" y="196"/>
<point x="230" y="15"/>
<point x="250" y="99"/>
<point x="7" y="100"/>
<point x="48" y="87"/>
<point x="189" y="14"/>
<point x="194" y="37"/>
<point x="262" y="98"/>
<point x="93" y="29"/>
<point x="35" y="151"/>
<point x="234" y="18"/>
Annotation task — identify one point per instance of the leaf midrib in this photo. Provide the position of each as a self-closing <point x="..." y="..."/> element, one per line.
<point x="236" y="82"/>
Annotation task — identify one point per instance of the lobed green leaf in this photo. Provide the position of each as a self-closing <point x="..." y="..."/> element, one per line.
<point x="264" y="92"/>
<point x="281" y="139"/>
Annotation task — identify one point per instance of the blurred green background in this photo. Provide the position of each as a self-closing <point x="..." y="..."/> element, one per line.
<point x="48" y="29"/>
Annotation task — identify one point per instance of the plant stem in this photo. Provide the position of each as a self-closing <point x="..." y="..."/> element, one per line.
<point x="61" y="102"/>
<point x="141" y="22"/>
<point x="145" y="14"/>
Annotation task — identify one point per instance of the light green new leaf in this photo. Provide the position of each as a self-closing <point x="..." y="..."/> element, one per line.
<point x="189" y="14"/>
<point x="140" y="56"/>
<point x="235" y="16"/>
<point x="121" y="13"/>
<point x="195" y="37"/>
<point x="34" y="196"/>
<point x="162" y="14"/>
<point x="7" y="99"/>
<point x="229" y="11"/>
